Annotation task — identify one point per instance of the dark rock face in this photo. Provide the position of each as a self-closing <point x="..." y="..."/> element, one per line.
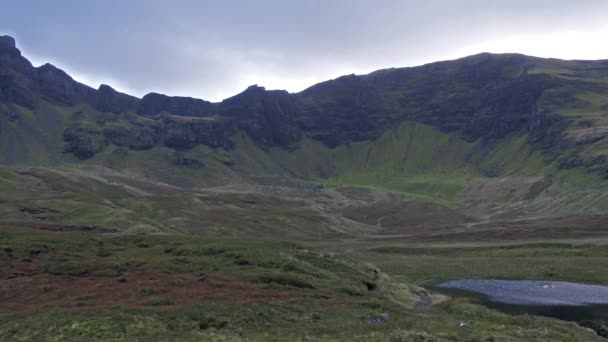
<point x="56" y="85"/>
<point x="7" y="42"/>
<point x="506" y="107"/>
<point x="484" y="96"/>
<point x="570" y="161"/>
<point x="348" y="108"/>
<point x="268" y="117"/>
<point x="134" y="137"/>
<point x="186" y="134"/>
<point x="598" y="165"/>
<point x="154" y="103"/>
<point x="478" y="98"/>
<point x="106" y="99"/>
<point x="545" y="132"/>
<point x="83" y="143"/>
<point x="16" y="75"/>
<point x="22" y="84"/>
<point x="543" y="124"/>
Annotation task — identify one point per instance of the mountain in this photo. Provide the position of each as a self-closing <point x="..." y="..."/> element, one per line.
<point x="430" y="130"/>
<point x="319" y="215"/>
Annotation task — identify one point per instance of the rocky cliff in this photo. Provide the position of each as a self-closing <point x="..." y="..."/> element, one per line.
<point x="484" y="97"/>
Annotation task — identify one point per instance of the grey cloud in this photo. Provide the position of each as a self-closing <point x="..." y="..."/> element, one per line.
<point x="212" y="49"/>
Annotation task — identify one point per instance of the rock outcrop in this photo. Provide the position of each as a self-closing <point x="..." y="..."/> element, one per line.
<point x="268" y="117"/>
<point x="16" y="75"/>
<point x="106" y="99"/>
<point x="154" y="103"/>
<point x="185" y="134"/>
<point x="55" y="85"/>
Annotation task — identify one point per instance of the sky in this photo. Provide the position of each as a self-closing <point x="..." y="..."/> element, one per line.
<point x="215" y="49"/>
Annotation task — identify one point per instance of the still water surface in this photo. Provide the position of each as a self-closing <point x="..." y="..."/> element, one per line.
<point x="563" y="300"/>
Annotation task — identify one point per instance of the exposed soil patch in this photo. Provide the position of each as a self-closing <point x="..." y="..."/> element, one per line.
<point x="147" y="289"/>
<point x="57" y="227"/>
<point x="36" y="211"/>
<point x="405" y="214"/>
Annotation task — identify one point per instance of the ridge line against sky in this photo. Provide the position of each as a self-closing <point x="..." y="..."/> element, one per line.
<point x="213" y="50"/>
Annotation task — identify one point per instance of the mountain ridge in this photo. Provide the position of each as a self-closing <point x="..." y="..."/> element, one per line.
<point x="10" y="42"/>
<point x="555" y="106"/>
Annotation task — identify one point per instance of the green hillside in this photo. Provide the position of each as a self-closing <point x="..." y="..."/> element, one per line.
<point x="321" y="215"/>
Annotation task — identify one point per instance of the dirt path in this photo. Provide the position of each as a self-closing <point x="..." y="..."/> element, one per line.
<point x="424" y="301"/>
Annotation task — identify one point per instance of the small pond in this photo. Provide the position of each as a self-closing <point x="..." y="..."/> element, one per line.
<point x="563" y="300"/>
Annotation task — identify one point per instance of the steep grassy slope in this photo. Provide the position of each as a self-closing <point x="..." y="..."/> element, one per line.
<point x="413" y="159"/>
<point x="39" y="197"/>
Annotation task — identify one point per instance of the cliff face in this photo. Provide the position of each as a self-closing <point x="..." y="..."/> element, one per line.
<point x="268" y="117"/>
<point x="154" y="103"/>
<point x="478" y="98"/>
<point x="16" y="75"/>
<point x="106" y="99"/>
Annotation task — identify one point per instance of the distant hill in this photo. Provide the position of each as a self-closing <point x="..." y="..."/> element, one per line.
<point x="435" y="130"/>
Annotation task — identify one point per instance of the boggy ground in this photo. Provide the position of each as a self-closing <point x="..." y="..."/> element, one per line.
<point x="74" y="285"/>
<point x="107" y="258"/>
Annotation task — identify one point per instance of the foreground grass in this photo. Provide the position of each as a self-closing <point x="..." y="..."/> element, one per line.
<point x="272" y="322"/>
<point x="551" y="261"/>
<point x="73" y="286"/>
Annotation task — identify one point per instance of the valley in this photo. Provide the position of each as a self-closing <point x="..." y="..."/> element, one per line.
<point x="182" y="259"/>
<point x="320" y="215"/>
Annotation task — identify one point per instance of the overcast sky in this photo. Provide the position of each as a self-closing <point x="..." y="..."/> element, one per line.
<point x="215" y="49"/>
